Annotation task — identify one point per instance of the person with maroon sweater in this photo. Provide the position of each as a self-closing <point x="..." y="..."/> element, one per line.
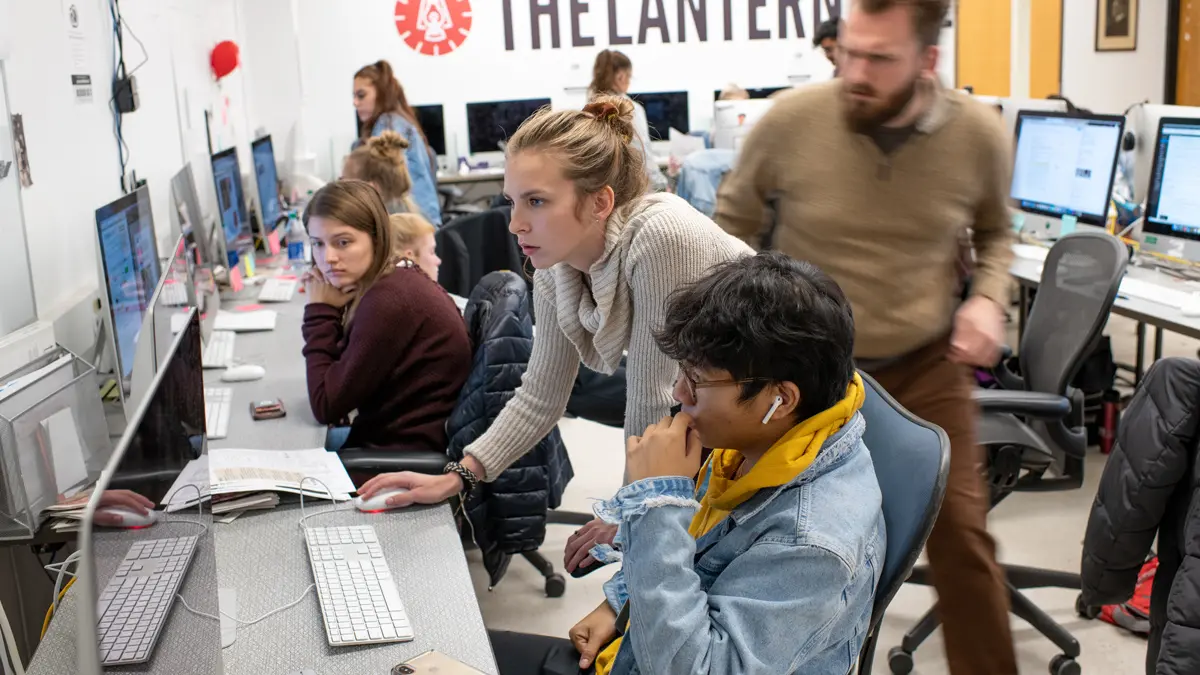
<point x="380" y="337"/>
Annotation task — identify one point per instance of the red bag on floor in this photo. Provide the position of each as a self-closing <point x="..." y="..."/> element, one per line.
<point x="1134" y="614"/>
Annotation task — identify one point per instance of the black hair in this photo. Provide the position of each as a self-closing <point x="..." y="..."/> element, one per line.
<point x="828" y="30"/>
<point x="767" y="316"/>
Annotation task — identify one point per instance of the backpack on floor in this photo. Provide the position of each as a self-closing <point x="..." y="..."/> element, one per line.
<point x="1134" y="614"/>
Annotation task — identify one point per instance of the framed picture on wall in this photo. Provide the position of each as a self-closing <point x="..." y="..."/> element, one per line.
<point x="1116" y="25"/>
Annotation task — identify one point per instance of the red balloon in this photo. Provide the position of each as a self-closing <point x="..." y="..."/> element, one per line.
<point x="224" y="58"/>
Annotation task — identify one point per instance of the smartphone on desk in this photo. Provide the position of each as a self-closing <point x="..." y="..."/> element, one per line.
<point x="267" y="410"/>
<point x="434" y="663"/>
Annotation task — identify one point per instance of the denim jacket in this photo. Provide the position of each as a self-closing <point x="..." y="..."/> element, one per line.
<point x="701" y="175"/>
<point x="784" y="584"/>
<point x="423" y="175"/>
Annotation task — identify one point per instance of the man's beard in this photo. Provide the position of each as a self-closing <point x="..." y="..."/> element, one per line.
<point x="865" y="118"/>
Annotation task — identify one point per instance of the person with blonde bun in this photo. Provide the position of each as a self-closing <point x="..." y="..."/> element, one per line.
<point x="606" y="257"/>
<point x="381" y="162"/>
<point x="381" y="105"/>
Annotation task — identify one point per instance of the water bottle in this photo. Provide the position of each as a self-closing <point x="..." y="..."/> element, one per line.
<point x="297" y="242"/>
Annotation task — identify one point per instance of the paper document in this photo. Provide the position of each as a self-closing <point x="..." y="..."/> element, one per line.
<point x="70" y="468"/>
<point x="683" y="144"/>
<point x="233" y="470"/>
<point x="180" y="496"/>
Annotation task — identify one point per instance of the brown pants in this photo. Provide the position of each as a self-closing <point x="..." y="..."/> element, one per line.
<point x="972" y="597"/>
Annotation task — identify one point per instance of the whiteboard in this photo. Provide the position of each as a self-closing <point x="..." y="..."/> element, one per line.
<point x="16" y="300"/>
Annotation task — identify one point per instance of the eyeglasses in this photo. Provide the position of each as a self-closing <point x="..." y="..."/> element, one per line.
<point x="692" y="384"/>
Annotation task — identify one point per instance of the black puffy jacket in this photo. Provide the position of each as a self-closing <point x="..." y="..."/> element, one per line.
<point x="508" y="515"/>
<point x="1151" y="485"/>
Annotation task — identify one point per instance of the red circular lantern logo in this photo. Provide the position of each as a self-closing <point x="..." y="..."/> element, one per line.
<point x="433" y="27"/>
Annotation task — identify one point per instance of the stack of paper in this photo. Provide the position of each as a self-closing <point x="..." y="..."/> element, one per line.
<point x="235" y="471"/>
<point x="66" y="516"/>
<point x="227" y="508"/>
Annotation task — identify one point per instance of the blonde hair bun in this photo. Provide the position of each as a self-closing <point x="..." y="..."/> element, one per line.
<point x="389" y="146"/>
<point x="615" y="111"/>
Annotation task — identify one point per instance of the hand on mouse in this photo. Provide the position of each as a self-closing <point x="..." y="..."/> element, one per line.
<point x="422" y="488"/>
<point x="125" y="499"/>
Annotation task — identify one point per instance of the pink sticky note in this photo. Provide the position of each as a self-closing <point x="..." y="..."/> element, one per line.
<point x="247" y="308"/>
<point x="273" y="242"/>
<point x="235" y="279"/>
<point x="287" y="277"/>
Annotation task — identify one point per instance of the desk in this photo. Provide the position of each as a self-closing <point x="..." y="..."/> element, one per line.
<point x="1163" y="317"/>
<point x="262" y="556"/>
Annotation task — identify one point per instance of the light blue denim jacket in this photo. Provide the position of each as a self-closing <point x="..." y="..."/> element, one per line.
<point x="701" y="175"/>
<point x="424" y="177"/>
<point x="785" y="584"/>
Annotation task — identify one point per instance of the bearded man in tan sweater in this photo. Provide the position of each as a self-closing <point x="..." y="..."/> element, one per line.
<point x="875" y="177"/>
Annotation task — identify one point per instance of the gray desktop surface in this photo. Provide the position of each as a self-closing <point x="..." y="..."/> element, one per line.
<point x="262" y="556"/>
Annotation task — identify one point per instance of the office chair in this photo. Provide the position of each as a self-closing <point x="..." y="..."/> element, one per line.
<point x="452" y="203"/>
<point x="912" y="462"/>
<point x="1033" y="427"/>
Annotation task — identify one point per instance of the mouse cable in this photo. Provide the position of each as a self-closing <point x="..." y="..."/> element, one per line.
<point x="250" y="622"/>
<point x="304" y="518"/>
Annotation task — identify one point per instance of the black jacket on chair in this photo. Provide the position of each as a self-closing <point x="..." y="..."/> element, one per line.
<point x="1151" y="485"/>
<point x="507" y="515"/>
<point x="486" y="246"/>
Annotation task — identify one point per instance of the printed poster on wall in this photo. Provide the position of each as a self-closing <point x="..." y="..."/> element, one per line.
<point x="77" y="44"/>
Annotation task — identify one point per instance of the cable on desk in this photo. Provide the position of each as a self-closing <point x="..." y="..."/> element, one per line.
<point x="199" y="507"/>
<point x="329" y="492"/>
<point x="51" y="609"/>
<point x="251" y="622"/>
<point x="12" y="657"/>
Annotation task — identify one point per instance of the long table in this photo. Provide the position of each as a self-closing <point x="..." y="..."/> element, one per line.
<point x="261" y="556"/>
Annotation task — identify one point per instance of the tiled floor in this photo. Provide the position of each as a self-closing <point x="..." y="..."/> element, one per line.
<point x="1044" y="530"/>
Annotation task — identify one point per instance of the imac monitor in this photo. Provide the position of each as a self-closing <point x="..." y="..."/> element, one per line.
<point x="491" y="124"/>
<point x="267" y="179"/>
<point x="665" y="111"/>
<point x="1172" y="201"/>
<point x="129" y="260"/>
<point x="732" y="120"/>
<point x="231" y="201"/>
<point x="1064" y="167"/>
<point x="164" y="434"/>
<point x="1143" y="127"/>
<point x="433" y="123"/>
<point x="186" y="201"/>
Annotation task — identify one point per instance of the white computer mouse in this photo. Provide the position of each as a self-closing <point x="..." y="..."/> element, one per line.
<point x="1191" y="308"/>
<point x="243" y="374"/>
<point x="378" y="502"/>
<point x="124" y="517"/>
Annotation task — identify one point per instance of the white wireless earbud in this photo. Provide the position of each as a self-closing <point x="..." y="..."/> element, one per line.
<point x="774" y="406"/>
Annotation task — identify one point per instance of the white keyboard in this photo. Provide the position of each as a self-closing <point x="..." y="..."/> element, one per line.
<point x="218" y="353"/>
<point x="242" y="322"/>
<point x="218" y="404"/>
<point x="1159" y="293"/>
<point x="277" y="290"/>
<point x="174" y="294"/>
<point x="359" y="600"/>
<point x="138" y="598"/>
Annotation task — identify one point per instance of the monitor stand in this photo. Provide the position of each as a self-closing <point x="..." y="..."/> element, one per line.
<point x="1166" y="245"/>
<point x="1045" y="228"/>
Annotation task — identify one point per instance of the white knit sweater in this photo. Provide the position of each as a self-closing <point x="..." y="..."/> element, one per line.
<point x="663" y="244"/>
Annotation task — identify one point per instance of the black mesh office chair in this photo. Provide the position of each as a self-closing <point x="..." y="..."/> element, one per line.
<point x="1033" y="428"/>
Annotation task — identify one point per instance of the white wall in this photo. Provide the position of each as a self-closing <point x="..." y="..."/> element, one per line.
<point x="1109" y="82"/>
<point x="337" y="38"/>
<point x="73" y="153"/>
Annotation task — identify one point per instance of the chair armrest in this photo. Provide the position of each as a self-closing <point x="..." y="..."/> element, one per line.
<point x="450" y="191"/>
<point x="385" y="460"/>
<point x="1032" y="403"/>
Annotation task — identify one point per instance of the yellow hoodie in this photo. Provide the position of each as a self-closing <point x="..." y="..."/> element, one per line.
<point x="781" y="464"/>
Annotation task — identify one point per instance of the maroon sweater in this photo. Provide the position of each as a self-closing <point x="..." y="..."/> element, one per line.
<point x="400" y="363"/>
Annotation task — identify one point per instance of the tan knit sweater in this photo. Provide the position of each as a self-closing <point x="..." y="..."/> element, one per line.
<point x="887" y="228"/>
<point x="662" y="245"/>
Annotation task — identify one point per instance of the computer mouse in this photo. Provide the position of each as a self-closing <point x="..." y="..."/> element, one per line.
<point x="243" y="374"/>
<point x="124" y="517"/>
<point x="379" y="501"/>
<point x="1191" y="308"/>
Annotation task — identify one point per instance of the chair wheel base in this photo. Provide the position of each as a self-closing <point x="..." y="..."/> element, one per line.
<point x="899" y="661"/>
<point x="1064" y="665"/>
<point x="556" y="586"/>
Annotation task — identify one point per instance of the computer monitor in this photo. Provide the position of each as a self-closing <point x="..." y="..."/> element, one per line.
<point x="164" y="434"/>
<point x="762" y="92"/>
<point x="665" y="111"/>
<point x="130" y="268"/>
<point x="433" y="123"/>
<point x="1172" y="222"/>
<point x="1143" y="124"/>
<point x="186" y="202"/>
<point x="267" y="179"/>
<point x="732" y="120"/>
<point x="231" y="200"/>
<point x="490" y="124"/>
<point x="1064" y="166"/>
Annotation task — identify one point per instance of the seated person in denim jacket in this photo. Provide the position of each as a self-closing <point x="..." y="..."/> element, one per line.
<point x="769" y="565"/>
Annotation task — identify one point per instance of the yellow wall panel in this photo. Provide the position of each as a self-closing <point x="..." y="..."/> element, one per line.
<point x="984" y="45"/>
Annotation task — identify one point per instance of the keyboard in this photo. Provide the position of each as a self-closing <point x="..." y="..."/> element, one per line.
<point x="241" y="322"/>
<point x="359" y="600"/>
<point x="1159" y="293"/>
<point x="277" y="290"/>
<point x="218" y="404"/>
<point x="218" y="353"/>
<point x="137" y="600"/>
<point x="174" y="294"/>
